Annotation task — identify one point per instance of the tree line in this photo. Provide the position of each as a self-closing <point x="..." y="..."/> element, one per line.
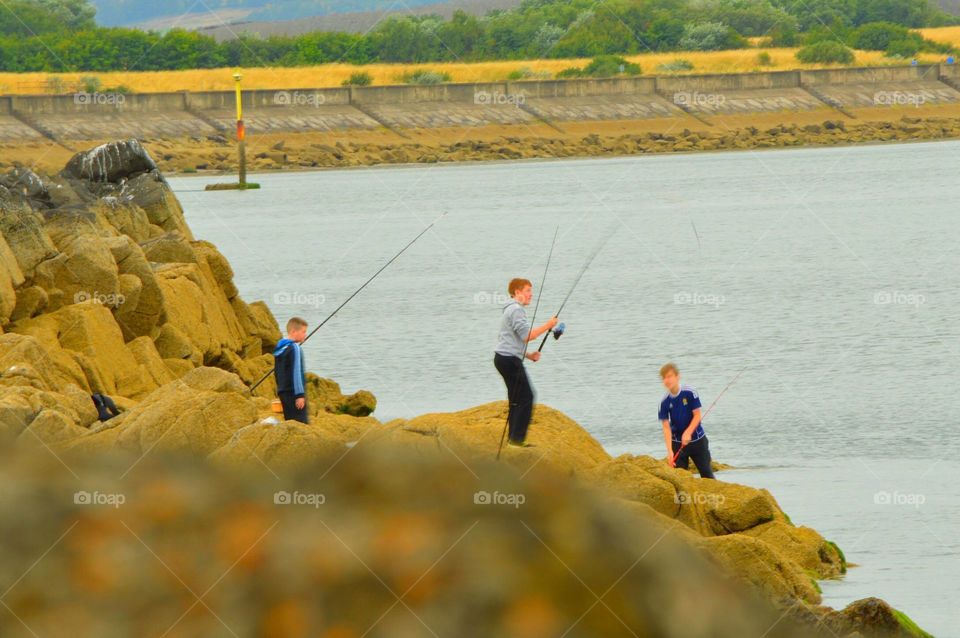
<point x="62" y="35"/>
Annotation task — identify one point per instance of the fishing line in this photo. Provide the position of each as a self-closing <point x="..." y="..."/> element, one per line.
<point x="357" y="292"/>
<point x="586" y="265"/>
<point x="722" y="392"/>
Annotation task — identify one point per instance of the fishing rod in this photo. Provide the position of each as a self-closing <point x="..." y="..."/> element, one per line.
<point x="559" y="330"/>
<point x="536" y="307"/>
<point x="722" y="392"/>
<point x="357" y="292"/>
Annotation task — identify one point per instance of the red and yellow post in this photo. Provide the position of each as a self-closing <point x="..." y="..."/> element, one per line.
<point x="241" y="132"/>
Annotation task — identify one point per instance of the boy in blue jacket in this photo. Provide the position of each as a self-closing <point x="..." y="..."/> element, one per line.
<point x="682" y="428"/>
<point x="291" y="372"/>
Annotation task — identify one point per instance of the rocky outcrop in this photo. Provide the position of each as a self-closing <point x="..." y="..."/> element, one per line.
<point x="104" y="289"/>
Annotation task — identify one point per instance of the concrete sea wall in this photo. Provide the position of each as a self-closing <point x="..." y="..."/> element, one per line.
<point x="63" y="118"/>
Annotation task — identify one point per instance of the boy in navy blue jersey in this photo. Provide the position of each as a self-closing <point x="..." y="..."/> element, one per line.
<point x="682" y="431"/>
<point x="291" y="372"/>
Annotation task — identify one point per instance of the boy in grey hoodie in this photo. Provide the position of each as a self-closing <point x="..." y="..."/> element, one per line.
<point x="515" y="333"/>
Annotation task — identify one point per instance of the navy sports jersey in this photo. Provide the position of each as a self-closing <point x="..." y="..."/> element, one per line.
<point x="679" y="411"/>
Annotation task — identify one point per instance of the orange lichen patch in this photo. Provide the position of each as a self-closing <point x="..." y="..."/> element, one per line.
<point x="286" y="619"/>
<point x="162" y="501"/>
<point x="405" y="535"/>
<point x="533" y="616"/>
<point x="242" y="536"/>
<point x="340" y="631"/>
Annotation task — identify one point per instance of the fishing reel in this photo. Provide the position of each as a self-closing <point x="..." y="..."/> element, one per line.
<point x="559" y="330"/>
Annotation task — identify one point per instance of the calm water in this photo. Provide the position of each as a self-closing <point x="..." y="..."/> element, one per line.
<point x="829" y="276"/>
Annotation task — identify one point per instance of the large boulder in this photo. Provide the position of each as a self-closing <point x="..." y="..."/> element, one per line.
<point x="872" y="617"/>
<point x="559" y="444"/>
<point x="84" y="271"/>
<point x="90" y="334"/>
<point x="278" y="447"/>
<point x="22" y="229"/>
<point x="758" y="563"/>
<point x="50" y="428"/>
<point x="151" y="193"/>
<point x="194" y="415"/>
<point x="196" y="306"/>
<point x="26" y="360"/>
<point x="110" y="162"/>
<point x="11" y="277"/>
<point x="803" y="546"/>
<point x="631" y="481"/>
<point x="142" y="300"/>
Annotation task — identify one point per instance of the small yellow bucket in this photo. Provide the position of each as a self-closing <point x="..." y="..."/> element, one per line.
<point x="276" y="406"/>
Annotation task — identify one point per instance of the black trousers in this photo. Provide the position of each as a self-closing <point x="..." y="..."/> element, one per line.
<point x="519" y="393"/>
<point x="699" y="451"/>
<point x="290" y="410"/>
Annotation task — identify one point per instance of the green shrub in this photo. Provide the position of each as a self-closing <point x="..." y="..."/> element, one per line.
<point x="424" y="76"/>
<point x="821" y="33"/>
<point x="710" y="36"/>
<point x="570" y="72"/>
<point x="358" y="78"/>
<point x="90" y="83"/>
<point x="906" y="48"/>
<point x="55" y="84"/>
<point x="784" y="36"/>
<point x="526" y="73"/>
<point x="606" y="66"/>
<point x="877" y="36"/>
<point x="674" y="66"/>
<point x="122" y="89"/>
<point x="764" y="59"/>
<point x="825" y="52"/>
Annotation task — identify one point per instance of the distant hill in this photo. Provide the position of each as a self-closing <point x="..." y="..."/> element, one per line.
<point x="282" y="18"/>
<point x="950" y="6"/>
<point x="353" y="22"/>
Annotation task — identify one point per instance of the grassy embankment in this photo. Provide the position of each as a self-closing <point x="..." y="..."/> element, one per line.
<point x="331" y="75"/>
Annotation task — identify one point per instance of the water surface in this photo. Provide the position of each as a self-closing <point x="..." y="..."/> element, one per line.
<point x="829" y="276"/>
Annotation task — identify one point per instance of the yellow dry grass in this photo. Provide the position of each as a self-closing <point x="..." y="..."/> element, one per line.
<point x="949" y="35"/>
<point x="331" y="75"/>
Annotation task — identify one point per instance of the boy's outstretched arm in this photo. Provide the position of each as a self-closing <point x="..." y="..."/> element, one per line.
<point x="694" y="422"/>
<point x="536" y="333"/>
<point x="668" y="439"/>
